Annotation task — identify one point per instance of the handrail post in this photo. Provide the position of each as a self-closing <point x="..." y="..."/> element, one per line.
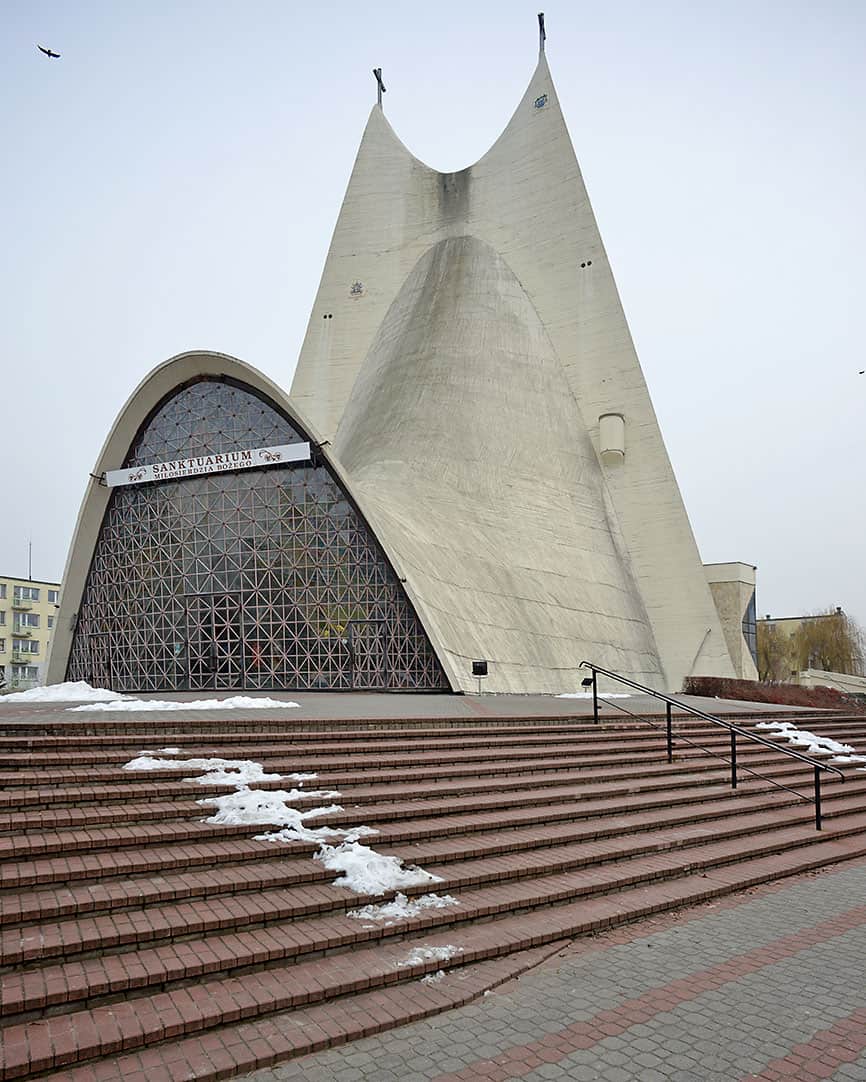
<point x="595" y="696"/>
<point x="733" y="758"/>
<point x="817" y="798"/>
<point x="670" y="735"/>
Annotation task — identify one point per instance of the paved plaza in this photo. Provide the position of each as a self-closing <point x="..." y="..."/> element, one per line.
<point x="767" y="984"/>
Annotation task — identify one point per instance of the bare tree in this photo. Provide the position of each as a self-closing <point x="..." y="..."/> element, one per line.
<point x="774" y="654"/>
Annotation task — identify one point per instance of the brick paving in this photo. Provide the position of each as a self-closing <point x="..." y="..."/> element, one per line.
<point x="767" y="984"/>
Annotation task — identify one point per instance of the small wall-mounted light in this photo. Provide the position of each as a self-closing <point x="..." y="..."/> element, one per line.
<point x="611" y="438"/>
<point x="479" y="671"/>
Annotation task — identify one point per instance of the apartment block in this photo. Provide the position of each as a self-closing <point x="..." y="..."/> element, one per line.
<point x="28" y="610"/>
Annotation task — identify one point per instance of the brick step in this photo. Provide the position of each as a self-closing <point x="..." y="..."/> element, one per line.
<point x="387" y="739"/>
<point x="32" y="801"/>
<point x="155" y="859"/>
<point x="145" y="888"/>
<point x="593" y="741"/>
<point x="390" y="738"/>
<point x="108" y="776"/>
<point x="150" y="880"/>
<point x="464" y="779"/>
<point x="82" y="817"/>
<point x="411" y="821"/>
<point x="607" y="751"/>
<point x="709" y="804"/>
<point x="185" y="920"/>
<point x="84" y="814"/>
<point x="85" y="1035"/>
<point x="151" y="859"/>
<point x="622" y="758"/>
<point x="156" y="726"/>
<point x="601" y="800"/>
<point x="72" y="841"/>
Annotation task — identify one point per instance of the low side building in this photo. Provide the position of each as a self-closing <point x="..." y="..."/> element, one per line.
<point x="733" y="589"/>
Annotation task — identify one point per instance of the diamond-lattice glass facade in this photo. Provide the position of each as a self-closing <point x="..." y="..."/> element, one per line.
<point x="264" y="578"/>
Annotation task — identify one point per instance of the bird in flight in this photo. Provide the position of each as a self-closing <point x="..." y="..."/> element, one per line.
<point x="48" y="52"/>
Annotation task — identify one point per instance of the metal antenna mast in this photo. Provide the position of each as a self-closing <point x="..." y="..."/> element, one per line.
<point x="542" y="36"/>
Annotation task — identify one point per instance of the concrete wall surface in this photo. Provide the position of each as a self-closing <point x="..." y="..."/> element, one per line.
<point x="525" y="204"/>
<point x="813" y="678"/>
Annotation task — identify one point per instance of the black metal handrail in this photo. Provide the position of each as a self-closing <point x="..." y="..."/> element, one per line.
<point x="735" y="730"/>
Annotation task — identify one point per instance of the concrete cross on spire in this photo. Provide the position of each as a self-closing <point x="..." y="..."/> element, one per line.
<point x="380" y="85"/>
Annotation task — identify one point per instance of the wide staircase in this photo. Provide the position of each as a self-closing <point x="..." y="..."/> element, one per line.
<point x="140" y="942"/>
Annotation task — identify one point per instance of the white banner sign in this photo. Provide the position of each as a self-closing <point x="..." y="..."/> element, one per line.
<point x="221" y="463"/>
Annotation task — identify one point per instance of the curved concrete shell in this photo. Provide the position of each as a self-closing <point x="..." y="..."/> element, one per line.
<point x="462" y="439"/>
<point x="521" y="216"/>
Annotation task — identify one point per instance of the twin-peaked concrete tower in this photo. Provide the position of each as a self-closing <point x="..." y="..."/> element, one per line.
<point x="467" y="467"/>
<point x="469" y="359"/>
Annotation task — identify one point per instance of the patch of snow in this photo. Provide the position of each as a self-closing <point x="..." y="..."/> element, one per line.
<point x="314" y="834"/>
<point x="214" y="771"/>
<point x="435" y="978"/>
<point x="802" y="738"/>
<point x="368" y="872"/>
<point x="850" y="759"/>
<point x="419" y="955"/>
<point x="601" y="695"/>
<point x="265" y="807"/>
<point x="364" y="870"/>
<point x="72" y="691"/>
<point x="401" y="908"/>
<point x="235" y="702"/>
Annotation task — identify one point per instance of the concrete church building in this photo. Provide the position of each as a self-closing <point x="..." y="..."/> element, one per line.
<point x="467" y="466"/>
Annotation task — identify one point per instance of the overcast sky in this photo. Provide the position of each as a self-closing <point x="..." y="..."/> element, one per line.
<point x="173" y="180"/>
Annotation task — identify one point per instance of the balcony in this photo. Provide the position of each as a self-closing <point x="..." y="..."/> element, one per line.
<point x="23" y="604"/>
<point x="21" y="684"/>
<point x="21" y="632"/>
<point x="19" y="657"/>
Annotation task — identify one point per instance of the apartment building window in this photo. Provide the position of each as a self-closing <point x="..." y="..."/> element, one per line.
<point x="50" y="622"/>
<point x="26" y="619"/>
<point x="25" y="646"/>
<point x="53" y="596"/>
<point x="26" y="593"/>
<point x="2" y="591"/>
<point x="2" y="646"/>
<point x="25" y="672"/>
<point x="3" y="618"/>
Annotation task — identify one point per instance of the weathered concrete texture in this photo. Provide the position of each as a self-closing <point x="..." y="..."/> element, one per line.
<point x="460" y="436"/>
<point x="534" y="328"/>
<point x="733" y="588"/>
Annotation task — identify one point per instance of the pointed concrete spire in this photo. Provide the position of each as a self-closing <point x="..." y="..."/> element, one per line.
<point x="526" y="202"/>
